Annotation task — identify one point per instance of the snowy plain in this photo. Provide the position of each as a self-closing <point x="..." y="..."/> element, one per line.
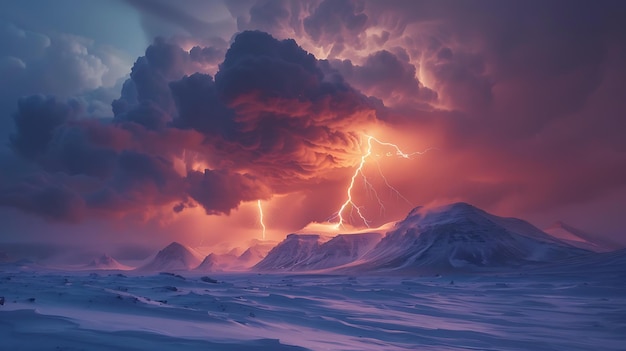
<point x="573" y="306"/>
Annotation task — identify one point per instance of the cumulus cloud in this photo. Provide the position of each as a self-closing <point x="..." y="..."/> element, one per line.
<point x="60" y="64"/>
<point x="269" y="123"/>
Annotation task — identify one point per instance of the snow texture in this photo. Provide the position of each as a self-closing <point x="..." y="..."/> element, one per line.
<point x="576" y="305"/>
<point x="314" y="252"/>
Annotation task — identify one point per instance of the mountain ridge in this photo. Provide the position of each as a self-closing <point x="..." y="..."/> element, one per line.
<point x="455" y="236"/>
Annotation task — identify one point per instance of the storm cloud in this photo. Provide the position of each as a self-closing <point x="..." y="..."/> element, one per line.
<point x="523" y="102"/>
<point x="268" y="124"/>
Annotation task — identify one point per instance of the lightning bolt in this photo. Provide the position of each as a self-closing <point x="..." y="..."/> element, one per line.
<point x="351" y="186"/>
<point x="261" y="217"/>
<point x="359" y="170"/>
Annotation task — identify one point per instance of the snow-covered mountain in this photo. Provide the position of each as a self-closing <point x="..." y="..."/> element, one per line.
<point x="578" y="238"/>
<point x="312" y="252"/>
<point x="462" y="236"/>
<point x="173" y="257"/>
<point x="295" y="249"/>
<point x="456" y="236"/>
<point x="106" y="262"/>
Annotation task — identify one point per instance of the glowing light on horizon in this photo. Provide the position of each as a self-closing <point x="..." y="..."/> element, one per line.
<point x="359" y="170"/>
<point x="261" y="217"/>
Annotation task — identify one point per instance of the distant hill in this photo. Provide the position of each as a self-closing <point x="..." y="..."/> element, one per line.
<point x="106" y="262"/>
<point x="172" y="258"/>
<point x="232" y="262"/>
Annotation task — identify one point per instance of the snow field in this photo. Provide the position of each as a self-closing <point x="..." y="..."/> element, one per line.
<point x="534" y="311"/>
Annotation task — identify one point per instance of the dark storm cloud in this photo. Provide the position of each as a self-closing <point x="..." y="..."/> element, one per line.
<point x="269" y="122"/>
<point x="45" y="195"/>
<point x="138" y="180"/>
<point x="256" y="62"/>
<point x="219" y="191"/>
<point x="337" y="22"/>
<point x="149" y="78"/>
<point x="82" y="164"/>
<point x="523" y="99"/>
<point x="386" y="76"/>
<point x="35" y="123"/>
<point x="146" y="97"/>
<point x="292" y="121"/>
<point x="267" y="15"/>
<point x="200" y="107"/>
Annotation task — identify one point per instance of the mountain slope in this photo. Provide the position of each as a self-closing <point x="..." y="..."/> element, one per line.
<point x="462" y="236"/>
<point x="578" y="238"/>
<point x="290" y="252"/>
<point x="300" y="252"/>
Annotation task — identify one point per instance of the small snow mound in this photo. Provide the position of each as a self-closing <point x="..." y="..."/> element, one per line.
<point x="173" y="257"/>
<point x="218" y="263"/>
<point x="208" y="264"/>
<point x="106" y="262"/>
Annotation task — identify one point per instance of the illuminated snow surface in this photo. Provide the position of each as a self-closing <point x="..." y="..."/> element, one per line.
<point x="576" y="305"/>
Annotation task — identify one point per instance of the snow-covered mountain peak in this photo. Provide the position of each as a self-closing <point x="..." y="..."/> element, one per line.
<point x="455" y="212"/>
<point x="462" y="235"/>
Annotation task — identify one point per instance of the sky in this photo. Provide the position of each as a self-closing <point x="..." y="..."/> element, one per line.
<point x="130" y="124"/>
